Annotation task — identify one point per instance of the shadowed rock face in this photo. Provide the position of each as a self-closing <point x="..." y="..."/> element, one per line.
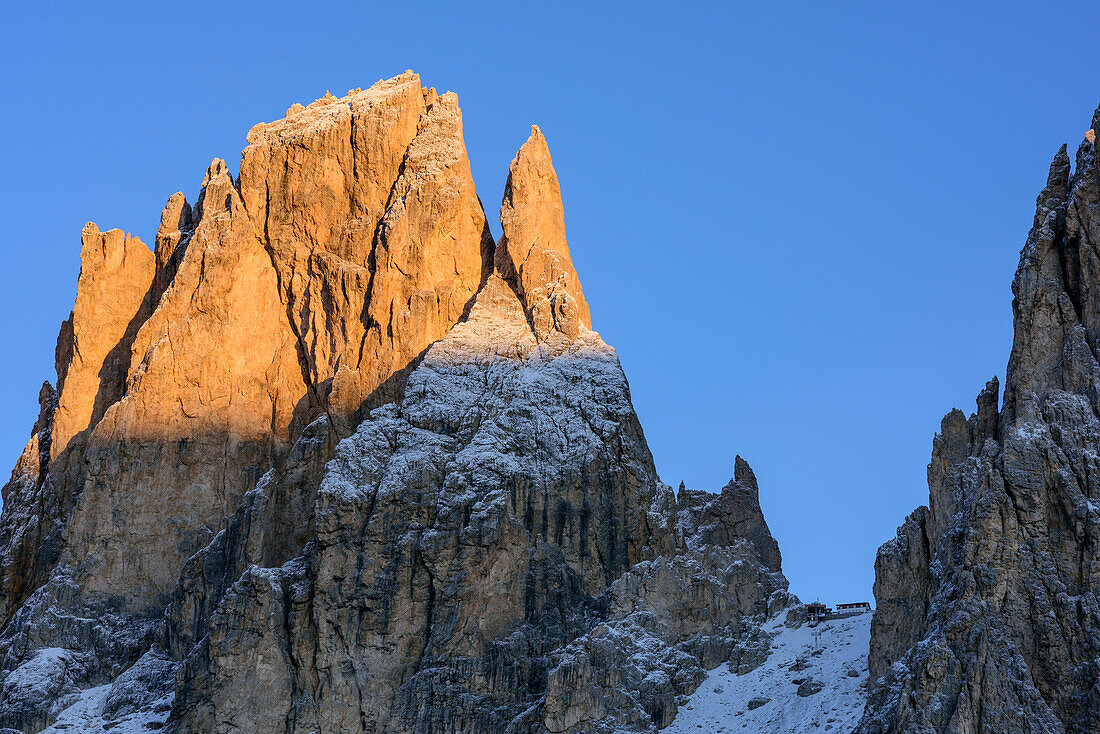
<point x="334" y="461"/>
<point x="470" y="541"/>
<point x="462" y="534"/>
<point x="988" y="616"/>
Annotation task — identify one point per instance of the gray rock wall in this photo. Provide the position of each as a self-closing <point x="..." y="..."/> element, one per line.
<point x="988" y="615"/>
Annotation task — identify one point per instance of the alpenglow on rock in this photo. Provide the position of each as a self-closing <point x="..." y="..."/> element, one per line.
<point x="988" y="600"/>
<point x="330" y="459"/>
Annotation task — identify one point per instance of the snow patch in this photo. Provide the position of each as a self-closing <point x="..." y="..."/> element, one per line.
<point x="721" y="703"/>
<point x="86" y="716"/>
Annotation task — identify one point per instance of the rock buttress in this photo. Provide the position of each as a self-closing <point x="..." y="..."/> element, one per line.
<point x="93" y="359"/>
<point x="533" y="254"/>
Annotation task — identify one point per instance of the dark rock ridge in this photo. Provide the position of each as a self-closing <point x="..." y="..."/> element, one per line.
<point x="330" y="459"/>
<point x="988" y="616"/>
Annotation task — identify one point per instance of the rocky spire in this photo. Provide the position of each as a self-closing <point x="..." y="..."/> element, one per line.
<point x="93" y="355"/>
<point x="533" y="254"/>
<point x="721" y="519"/>
<point x="1049" y="349"/>
<point x="173" y="234"/>
<point x="988" y="601"/>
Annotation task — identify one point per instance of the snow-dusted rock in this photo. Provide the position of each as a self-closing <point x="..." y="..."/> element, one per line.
<point x="767" y="698"/>
<point x="468" y="531"/>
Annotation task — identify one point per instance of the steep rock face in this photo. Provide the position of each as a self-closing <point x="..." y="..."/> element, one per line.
<point x="197" y="425"/>
<point x="171" y="455"/>
<point x="344" y="477"/>
<point x="113" y="300"/>
<point x="670" y="620"/>
<point x="988" y="616"/>
<point x="173" y="234"/>
<point x="369" y="211"/>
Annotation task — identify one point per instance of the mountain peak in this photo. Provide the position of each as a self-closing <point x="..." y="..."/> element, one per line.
<point x="317" y="402"/>
<point x="986" y="598"/>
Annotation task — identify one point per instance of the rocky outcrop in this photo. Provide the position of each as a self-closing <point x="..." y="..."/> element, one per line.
<point x="113" y="300"/>
<point x="988" y="615"/>
<point x="734" y="514"/>
<point x="337" y="462"/>
<point x="670" y="620"/>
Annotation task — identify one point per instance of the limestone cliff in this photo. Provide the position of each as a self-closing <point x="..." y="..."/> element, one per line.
<point x="988" y="614"/>
<point x="330" y="459"/>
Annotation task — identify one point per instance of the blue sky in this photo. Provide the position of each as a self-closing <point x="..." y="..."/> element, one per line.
<point x="797" y="222"/>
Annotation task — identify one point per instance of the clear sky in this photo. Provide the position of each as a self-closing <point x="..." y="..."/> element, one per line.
<point x="797" y="222"/>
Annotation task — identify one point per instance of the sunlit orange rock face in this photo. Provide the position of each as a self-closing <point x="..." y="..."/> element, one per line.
<point x="352" y="240"/>
<point x="92" y="359"/>
<point x="369" y="213"/>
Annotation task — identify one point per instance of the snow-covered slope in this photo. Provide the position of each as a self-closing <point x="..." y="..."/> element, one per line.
<point x="727" y="702"/>
<point x="86" y="716"/>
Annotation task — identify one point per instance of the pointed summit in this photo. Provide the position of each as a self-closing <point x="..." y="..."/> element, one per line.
<point x="1056" y="312"/>
<point x="533" y="254"/>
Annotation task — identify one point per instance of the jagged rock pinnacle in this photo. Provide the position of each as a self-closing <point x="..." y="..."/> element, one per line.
<point x="533" y="254"/>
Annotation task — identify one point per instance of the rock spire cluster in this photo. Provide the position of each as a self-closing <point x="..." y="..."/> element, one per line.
<point x="329" y="458"/>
